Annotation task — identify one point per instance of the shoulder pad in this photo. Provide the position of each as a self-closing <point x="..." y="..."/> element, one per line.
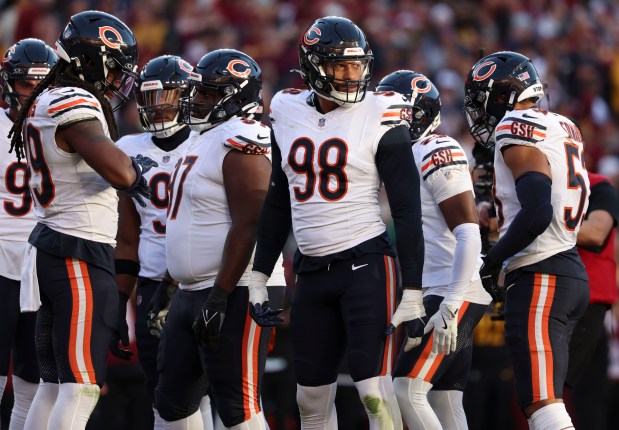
<point x="249" y="136"/>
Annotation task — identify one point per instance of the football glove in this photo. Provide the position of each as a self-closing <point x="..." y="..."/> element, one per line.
<point x="140" y="187"/>
<point x="412" y="314"/>
<point x="489" y="273"/>
<point x="445" y="325"/>
<point x="159" y="306"/>
<point x="259" y="308"/>
<point x="121" y="333"/>
<point x="209" y="321"/>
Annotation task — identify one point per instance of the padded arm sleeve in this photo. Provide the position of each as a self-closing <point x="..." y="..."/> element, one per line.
<point x="534" y="191"/>
<point x="397" y="170"/>
<point x="275" y="219"/>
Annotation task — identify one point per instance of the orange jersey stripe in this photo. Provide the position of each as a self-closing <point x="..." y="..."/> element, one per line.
<point x="425" y="166"/>
<point x="246" y="331"/>
<point x="235" y="143"/>
<point x="254" y="356"/>
<point x="537" y="285"/>
<point x="546" y="337"/>
<point x="71" y="104"/>
<point x="504" y="127"/>
<point x="540" y="134"/>
<point x="389" y="343"/>
<point x="88" y="322"/>
<point x="74" y="317"/>
<point x="390" y="114"/>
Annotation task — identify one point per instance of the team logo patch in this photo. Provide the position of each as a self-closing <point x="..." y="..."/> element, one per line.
<point x="480" y="77"/>
<point x="106" y="32"/>
<point x="166" y="159"/>
<point x="448" y="175"/>
<point x="425" y="85"/>
<point x="184" y="65"/>
<point x="321" y="122"/>
<point x="307" y="37"/>
<point x="239" y="68"/>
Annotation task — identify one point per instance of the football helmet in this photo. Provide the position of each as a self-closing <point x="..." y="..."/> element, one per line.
<point x="225" y="83"/>
<point x="330" y="43"/>
<point x="493" y="87"/>
<point x="161" y="84"/>
<point x="29" y="59"/>
<point x="423" y="95"/>
<point x="102" y="51"/>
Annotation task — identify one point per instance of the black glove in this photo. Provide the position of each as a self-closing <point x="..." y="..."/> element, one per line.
<point x="264" y="315"/>
<point x="159" y="306"/>
<point x="489" y="273"/>
<point x="208" y="323"/>
<point x="121" y="334"/>
<point x="140" y="187"/>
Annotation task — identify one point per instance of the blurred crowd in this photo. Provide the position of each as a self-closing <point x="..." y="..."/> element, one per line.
<point x="573" y="44"/>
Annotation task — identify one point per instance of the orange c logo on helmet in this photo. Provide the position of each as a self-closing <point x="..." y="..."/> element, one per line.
<point x="478" y="77"/>
<point x="416" y="87"/>
<point x="184" y="65"/>
<point x="241" y="74"/>
<point x="112" y="44"/>
<point x="306" y="36"/>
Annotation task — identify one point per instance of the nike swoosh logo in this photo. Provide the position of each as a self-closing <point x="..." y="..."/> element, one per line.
<point x="444" y="322"/>
<point x="529" y="116"/>
<point x="358" y="267"/>
<point x="262" y="137"/>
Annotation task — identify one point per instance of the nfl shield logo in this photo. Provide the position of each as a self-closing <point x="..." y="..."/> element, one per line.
<point x="321" y="122"/>
<point x="166" y="158"/>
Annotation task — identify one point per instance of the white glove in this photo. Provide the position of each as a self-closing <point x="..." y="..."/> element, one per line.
<point x="258" y="293"/>
<point x="412" y="313"/>
<point x="445" y="325"/>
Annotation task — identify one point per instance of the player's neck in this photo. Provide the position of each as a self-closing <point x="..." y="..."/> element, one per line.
<point x="12" y="114"/>
<point x="325" y="106"/>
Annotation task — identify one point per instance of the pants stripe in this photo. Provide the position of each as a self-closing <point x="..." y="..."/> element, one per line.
<point x="429" y="361"/>
<point x="251" y="345"/>
<point x="81" y="322"/>
<point x="542" y="366"/>
<point x="390" y="342"/>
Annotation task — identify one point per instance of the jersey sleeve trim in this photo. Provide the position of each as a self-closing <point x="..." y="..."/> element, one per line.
<point x="393" y="115"/>
<point x="519" y="130"/>
<point x="247" y="145"/>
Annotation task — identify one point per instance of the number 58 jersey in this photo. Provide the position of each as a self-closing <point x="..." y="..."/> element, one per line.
<point x="16" y="216"/>
<point x="561" y="142"/>
<point x="329" y="161"/>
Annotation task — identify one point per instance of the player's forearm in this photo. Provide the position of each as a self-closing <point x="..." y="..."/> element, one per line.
<point x="237" y="252"/>
<point x="468" y="247"/>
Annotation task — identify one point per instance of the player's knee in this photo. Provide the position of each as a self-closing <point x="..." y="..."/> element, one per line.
<point x="411" y="391"/>
<point x="316" y="401"/>
<point x="171" y="408"/>
<point x="375" y="396"/>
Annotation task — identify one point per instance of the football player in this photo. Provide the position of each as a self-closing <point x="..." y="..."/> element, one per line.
<point x="335" y="144"/>
<point x="216" y="194"/>
<point x="68" y="132"/>
<point x="23" y="66"/>
<point x="140" y="249"/>
<point x="541" y="196"/>
<point x="452" y="291"/>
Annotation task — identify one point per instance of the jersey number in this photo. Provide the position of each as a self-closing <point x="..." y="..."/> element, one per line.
<point x="20" y="188"/>
<point x="328" y="170"/>
<point x="188" y="162"/>
<point x="575" y="181"/>
<point x="159" y="185"/>
<point x="45" y="191"/>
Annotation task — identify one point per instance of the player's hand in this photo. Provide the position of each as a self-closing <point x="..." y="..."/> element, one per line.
<point x="259" y="308"/>
<point x="121" y="334"/>
<point x="413" y="315"/>
<point x="209" y="321"/>
<point x="489" y="273"/>
<point x="140" y="187"/>
<point x="445" y="325"/>
<point x="159" y="306"/>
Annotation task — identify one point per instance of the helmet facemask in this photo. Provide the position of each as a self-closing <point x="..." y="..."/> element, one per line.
<point x="158" y="107"/>
<point x="341" y="90"/>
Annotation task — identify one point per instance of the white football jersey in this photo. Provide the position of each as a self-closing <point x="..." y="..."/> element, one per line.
<point x="329" y="161"/>
<point x="16" y="216"/>
<point x="560" y="141"/>
<point x="151" y="250"/>
<point x="198" y="214"/>
<point x="69" y="196"/>
<point x="444" y="173"/>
